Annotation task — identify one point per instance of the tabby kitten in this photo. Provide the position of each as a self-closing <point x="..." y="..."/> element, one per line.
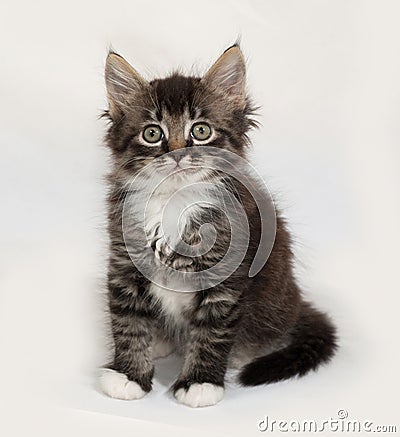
<point x="258" y="324"/>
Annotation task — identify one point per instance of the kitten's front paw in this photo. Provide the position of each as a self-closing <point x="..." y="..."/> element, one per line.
<point x="118" y="386"/>
<point x="169" y="258"/>
<point x="200" y="395"/>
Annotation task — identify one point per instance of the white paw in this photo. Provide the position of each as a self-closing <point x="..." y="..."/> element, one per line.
<point x="162" y="249"/>
<point x="200" y="395"/>
<point x="118" y="386"/>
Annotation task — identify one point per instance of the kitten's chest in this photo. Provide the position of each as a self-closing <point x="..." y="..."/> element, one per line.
<point x="171" y="214"/>
<point x="169" y="211"/>
<point x="175" y="307"/>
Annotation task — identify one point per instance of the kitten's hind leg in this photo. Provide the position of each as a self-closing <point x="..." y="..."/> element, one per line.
<point x="313" y="342"/>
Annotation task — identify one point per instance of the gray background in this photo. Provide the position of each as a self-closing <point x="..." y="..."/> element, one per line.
<point x="326" y="74"/>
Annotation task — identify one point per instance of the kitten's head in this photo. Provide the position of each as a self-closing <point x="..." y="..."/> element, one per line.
<point x="150" y="119"/>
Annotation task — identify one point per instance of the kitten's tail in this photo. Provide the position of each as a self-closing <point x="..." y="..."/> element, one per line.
<point x="313" y="342"/>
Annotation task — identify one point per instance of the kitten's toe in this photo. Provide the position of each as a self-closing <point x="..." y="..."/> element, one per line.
<point x="200" y="395"/>
<point x="162" y="250"/>
<point x="118" y="386"/>
<point x="181" y="262"/>
<point x="169" y="258"/>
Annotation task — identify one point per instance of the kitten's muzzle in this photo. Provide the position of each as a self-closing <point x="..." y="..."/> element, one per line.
<point x="177" y="156"/>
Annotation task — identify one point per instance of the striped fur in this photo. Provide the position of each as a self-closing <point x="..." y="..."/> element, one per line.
<point x="241" y="319"/>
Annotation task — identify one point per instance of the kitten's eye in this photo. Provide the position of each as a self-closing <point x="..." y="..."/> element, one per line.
<point x="152" y="134"/>
<point x="201" y="131"/>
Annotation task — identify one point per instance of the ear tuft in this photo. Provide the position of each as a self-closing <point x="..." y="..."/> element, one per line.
<point x="228" y="74"/>
<point x="122" y="83"/>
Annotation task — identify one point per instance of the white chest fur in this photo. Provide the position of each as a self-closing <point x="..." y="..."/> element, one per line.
<point x="173" y="303"/>
<point x="169" y="208"/>
<point x="168" y="211"/>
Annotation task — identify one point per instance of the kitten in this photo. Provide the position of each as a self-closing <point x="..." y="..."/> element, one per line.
<point x="160" y="136"/>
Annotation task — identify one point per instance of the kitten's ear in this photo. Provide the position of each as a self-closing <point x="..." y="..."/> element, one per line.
<point x="122" y="83"/>
<point x="228" y="74"/>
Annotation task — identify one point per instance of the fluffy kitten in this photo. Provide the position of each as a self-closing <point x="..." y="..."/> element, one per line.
<point x="259" y="324"/>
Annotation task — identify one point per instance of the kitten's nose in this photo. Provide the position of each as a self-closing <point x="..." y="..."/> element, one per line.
<point x="177" y="156"/>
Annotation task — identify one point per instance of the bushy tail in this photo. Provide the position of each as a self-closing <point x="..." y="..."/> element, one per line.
<point x="313" y="342"/>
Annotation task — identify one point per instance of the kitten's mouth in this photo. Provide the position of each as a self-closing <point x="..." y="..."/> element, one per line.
<point x="180" y="169"/>
<point x="182" y="166"/>
<point x="185" y="169"/>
